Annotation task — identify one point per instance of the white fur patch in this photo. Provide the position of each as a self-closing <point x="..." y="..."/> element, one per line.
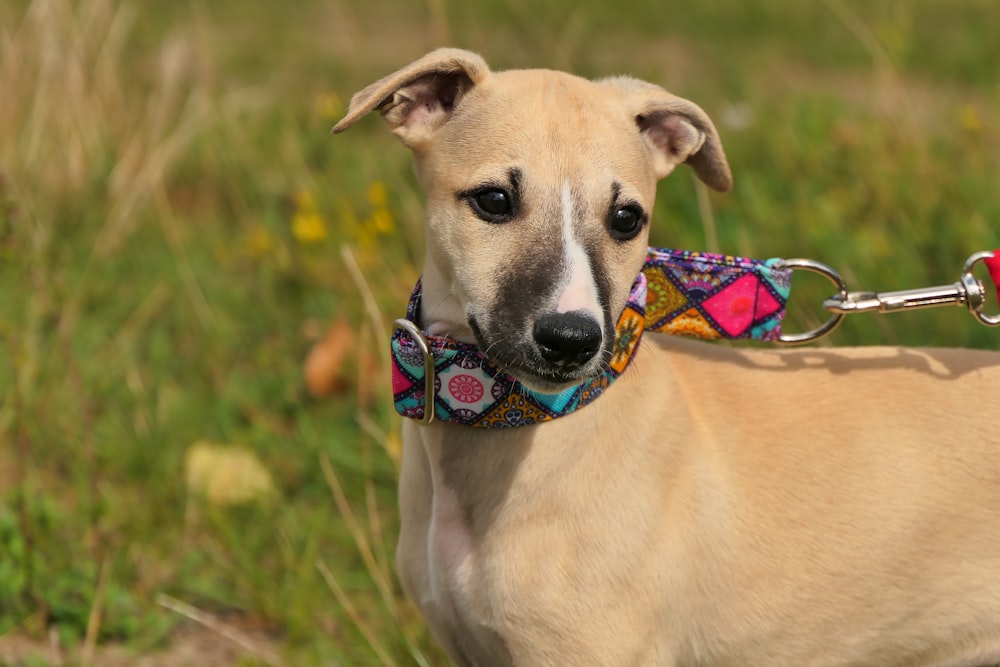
<point x="579" y="289"/>
<point x="450" y="546"/>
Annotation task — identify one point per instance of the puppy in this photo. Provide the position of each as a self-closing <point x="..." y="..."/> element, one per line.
<point x="712" y="505"/>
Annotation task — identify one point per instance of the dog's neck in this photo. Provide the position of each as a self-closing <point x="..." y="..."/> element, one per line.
<point x="702" y="295"/>
<point x="442" y="313"/>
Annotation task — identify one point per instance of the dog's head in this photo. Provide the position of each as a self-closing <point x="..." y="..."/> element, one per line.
<point x="539" y="190"/>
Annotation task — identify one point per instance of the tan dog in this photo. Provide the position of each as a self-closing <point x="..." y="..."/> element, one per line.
<point x="716" y="506"/>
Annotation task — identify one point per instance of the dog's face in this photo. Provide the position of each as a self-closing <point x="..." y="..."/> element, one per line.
<point x="540" y="187"/>
<point x="539" y="192"/>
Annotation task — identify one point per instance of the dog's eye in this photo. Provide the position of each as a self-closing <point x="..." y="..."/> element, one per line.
<point x="626" y="222"/>
<point x="492" y="204"/>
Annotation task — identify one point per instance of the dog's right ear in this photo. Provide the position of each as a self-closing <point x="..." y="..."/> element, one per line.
<point x="419" y="98"/>
<point x="676" y="130"/>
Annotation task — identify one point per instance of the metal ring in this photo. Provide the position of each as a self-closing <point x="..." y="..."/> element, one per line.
<point x="425" y="349"/>
<point x="827" y="327"/>
<point x="974" y="288"/>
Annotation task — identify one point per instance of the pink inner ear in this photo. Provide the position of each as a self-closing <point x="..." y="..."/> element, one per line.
<point x="432" y="98"/>
<point x="422" y="110"/>
<point x="680" y="137"/>
<point x="672" y="134"/>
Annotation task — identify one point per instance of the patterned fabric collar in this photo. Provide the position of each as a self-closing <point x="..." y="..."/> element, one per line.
<point x="680" y="292"/>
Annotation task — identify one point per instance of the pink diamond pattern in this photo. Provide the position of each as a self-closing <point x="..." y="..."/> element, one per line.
<point x="735" y="307"/>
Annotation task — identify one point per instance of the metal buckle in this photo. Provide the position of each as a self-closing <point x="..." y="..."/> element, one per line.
<point x="429" y="394"/>
<point x="827" y="327"/>
<point x="968" y="292"/>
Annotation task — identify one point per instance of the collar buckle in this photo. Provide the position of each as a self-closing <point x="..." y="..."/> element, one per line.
<point x="425" y="349"/>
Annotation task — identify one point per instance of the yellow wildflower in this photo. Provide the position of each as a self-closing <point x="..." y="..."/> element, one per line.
<point x="378" y="194"/>
<point x="394" y="446"/>
<point x="328" y="106"/>
<point x="307" y="224"/>
<point x="308" y="227"/>
<point x="381" y="221"/>
<point x="969" y="117"/>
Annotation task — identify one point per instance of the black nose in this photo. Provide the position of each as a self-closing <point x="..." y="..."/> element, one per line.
<point x="567" y="339"/>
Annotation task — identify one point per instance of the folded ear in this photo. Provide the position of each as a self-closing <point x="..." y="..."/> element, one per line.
<point x="676" y="130"/>
<point x="419" y="98"/>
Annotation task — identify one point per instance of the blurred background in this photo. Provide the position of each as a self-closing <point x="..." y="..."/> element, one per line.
<point x="197" y="449"/>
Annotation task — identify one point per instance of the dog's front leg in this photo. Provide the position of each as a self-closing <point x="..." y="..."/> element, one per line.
<point x="435" y="555"/>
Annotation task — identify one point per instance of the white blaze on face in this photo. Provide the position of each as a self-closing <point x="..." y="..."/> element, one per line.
<point x="579" y="289"/>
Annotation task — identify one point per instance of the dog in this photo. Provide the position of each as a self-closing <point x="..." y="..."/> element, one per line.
<point x="715" y="505"/>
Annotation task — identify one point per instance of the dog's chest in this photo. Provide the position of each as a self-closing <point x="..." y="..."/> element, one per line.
<point x="457" y="585"/>
<point x="470" y="481"/>
<point x="516" y="559"/>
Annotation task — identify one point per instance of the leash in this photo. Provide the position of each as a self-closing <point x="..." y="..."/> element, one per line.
<point x="678" y="292"/>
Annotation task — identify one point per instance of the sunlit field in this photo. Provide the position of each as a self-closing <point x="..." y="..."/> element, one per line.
<point x="180" y="232"/>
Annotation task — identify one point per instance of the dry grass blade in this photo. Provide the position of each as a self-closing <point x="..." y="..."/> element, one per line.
<point x="380" y="576"/>
<point x="63" y="56"/>
<point x="377" y="569"/>
<point x="94" y="619"/>
<point x="367" y="295"/>
<point x="352" y="613"/>
<point x="207" y="620"/>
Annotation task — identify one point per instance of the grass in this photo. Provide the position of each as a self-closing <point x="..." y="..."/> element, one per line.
<point x="178" y="228"/>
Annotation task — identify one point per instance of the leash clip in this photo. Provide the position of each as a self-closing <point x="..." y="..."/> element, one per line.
<point x="967" y="291"/>
<point x="425" y="349"/>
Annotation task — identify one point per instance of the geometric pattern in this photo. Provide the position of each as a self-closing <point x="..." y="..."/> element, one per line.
<point x="715" y="296"/>
<point x="678" y="292"/>
<point x="470" y="390"/>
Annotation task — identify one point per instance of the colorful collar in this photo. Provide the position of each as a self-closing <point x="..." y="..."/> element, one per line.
<point x="680" y="292"/>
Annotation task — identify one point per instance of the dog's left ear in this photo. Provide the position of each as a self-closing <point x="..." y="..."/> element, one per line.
<point x="420" y="97"/>
<point x="676" y="130"/>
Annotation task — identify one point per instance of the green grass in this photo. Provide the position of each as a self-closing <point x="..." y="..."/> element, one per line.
<point x="154" y="293"/>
